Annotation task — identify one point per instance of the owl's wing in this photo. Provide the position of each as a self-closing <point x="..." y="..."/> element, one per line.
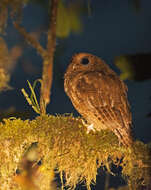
<point x="106" y="97"/>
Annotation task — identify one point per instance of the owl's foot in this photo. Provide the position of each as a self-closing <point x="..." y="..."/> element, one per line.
<point x="89" y="127"/>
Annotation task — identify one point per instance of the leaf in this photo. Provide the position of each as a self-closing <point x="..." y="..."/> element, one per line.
<point x="68" y="19"/>
<point x="134" y="67"/>
<point x="33" y="99"/>
<point x="125" y="67"/>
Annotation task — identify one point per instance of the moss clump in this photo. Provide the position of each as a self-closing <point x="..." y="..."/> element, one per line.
<point x="64" y="146"/>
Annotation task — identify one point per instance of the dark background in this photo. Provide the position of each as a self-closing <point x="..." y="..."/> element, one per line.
<point x="113" y="28"/>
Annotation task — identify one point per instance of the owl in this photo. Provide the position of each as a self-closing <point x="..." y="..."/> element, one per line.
<point x="99" y="96"/>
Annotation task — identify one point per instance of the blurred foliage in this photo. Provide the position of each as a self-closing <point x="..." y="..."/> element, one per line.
<point x="5" y="63"/>
<point x="64" y="147"/>
<point x="15" y="11"/>
<point x="29" y="172"/>
<point x="8" y="59"/>
<point x="134" y="67"/>
<point x="68" y="18"/>
<point x="4" y="80"/>
<point x="125" y="67"/>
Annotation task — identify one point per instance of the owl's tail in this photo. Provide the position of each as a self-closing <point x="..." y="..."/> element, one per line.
<point x="124" y="135"/>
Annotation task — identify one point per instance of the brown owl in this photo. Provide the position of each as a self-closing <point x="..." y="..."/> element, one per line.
<point x="99" y="95"/>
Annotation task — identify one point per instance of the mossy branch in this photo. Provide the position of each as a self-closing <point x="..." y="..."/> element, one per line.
<point x="64" y="145"/>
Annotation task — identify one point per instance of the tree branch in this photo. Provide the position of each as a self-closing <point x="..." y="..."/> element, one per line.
<point x="32" y="41"/>
<point x="47" y="74"/>
<point x="47" y="55"/>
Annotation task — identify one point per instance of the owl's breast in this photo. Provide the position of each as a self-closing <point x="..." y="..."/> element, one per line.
<point x="83" y="92"/>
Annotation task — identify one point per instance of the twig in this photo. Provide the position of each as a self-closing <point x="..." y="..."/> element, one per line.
<point x="47" y="74"/>
<point x="47" y="55"/>
<point x="32" y="41"/>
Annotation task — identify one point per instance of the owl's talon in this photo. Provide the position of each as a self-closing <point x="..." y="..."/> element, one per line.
<point x="90" y="128"/>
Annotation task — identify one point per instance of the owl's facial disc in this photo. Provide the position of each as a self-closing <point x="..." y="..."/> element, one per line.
<point x="84" y="62"/>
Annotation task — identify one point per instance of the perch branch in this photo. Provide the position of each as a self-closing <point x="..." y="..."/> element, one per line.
<point x="47" y="74"/>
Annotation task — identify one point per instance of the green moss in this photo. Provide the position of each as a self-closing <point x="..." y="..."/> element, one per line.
<point x="64" y="145"/>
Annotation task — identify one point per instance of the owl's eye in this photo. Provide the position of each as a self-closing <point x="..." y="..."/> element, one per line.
<point x="85" y="61"/>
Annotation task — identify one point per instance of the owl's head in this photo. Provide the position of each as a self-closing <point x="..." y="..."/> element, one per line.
<point x="85" y="62"/>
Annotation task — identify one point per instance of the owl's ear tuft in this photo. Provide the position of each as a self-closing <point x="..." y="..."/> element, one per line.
<point x="85" y="61"/>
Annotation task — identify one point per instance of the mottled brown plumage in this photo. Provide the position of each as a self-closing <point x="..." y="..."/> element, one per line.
<point x="99" y="95"/>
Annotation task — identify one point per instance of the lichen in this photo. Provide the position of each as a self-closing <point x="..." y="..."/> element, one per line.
<point x="65" y="147"/>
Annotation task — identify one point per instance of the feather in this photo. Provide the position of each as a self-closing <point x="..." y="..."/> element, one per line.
<point x="99" y="96"/>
